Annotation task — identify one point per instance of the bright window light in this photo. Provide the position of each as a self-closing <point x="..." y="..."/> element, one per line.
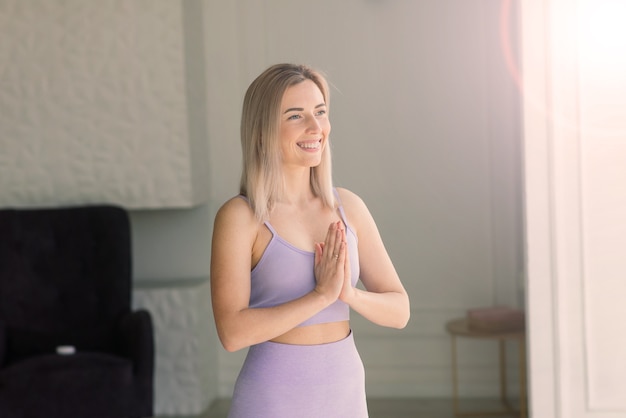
<point x="603" y="34"/>
<point x="602" y="54"/>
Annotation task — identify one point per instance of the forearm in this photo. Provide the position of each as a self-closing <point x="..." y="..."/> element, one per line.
<point x="388" y="309"/>
<point x="251" y="326"/>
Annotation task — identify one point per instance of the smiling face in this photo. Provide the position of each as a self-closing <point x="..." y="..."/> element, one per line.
<point x="304" y="125"/>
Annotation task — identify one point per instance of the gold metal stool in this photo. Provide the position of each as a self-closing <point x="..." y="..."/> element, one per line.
<point x="460" y="328"/>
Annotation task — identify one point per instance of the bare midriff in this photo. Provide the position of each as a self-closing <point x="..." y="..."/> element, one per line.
<point x="315" y="334"/>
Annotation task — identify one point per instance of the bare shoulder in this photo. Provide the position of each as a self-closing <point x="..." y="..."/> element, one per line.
<point x="349" y="199"/>
<point x="236" y="214"/>
<point x="355" y="208"/>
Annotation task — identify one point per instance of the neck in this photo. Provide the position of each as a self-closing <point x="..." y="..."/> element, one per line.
<point x="297" y="186"/>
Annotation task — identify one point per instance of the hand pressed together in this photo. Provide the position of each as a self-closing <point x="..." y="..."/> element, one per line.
<point x="332" y="264"/>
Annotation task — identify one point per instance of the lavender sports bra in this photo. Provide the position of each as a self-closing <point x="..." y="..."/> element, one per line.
<point x="285" y="273"/>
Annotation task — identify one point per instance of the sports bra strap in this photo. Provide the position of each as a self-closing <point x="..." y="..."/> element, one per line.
<point x="270" y="227"/>
<point x="343" y="215"/>
<point x="340" y="207"/>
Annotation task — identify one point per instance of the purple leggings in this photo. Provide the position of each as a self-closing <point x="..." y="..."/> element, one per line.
<point x="301" y="381"/>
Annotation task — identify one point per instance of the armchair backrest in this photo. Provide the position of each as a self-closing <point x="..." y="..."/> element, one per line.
<point x="65" y="277"/>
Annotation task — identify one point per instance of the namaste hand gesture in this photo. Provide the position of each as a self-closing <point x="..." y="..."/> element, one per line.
<point x="332" y="264"/>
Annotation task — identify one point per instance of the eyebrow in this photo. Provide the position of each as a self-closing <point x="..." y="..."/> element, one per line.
<point x="300" y="109"/>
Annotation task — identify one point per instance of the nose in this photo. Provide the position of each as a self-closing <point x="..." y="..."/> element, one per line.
<point x="314" y="125"/>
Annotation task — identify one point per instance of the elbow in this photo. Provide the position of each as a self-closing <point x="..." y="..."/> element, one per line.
<point x="403" y="321"/>
<point x="231" y="348"/>
<point x="396" y="319"/>
<point x="231" y="336"/>
<point x="231" y="344"/>
<point x="230" y="341"/>
<point x="405" y="316"/>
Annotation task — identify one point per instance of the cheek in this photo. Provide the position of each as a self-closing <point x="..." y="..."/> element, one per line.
<point x="326" y="126"/>
<point x="285" y="133"/>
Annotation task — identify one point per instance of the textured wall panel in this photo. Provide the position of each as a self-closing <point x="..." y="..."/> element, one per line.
<point x="93" y="104"/>
<point x="184" y="347"/>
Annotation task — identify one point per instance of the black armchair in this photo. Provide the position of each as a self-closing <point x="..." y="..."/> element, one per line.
<point x="65" y="281"/>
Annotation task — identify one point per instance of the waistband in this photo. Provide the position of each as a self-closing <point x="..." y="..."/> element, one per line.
<point x="348" y="341"/>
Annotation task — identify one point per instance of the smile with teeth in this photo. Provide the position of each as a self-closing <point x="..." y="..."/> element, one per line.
<point x="310" y="145"/>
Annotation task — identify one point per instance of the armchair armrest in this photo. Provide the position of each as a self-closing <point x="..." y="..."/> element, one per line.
<point x="3" y="343"/>
<point x="137" y="341"/>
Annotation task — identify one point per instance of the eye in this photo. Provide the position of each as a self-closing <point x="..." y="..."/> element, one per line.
<point x="293" y="117"/>
<point x="321" y="113"/>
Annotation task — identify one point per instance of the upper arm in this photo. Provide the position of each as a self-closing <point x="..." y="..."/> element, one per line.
<point x="234" y="232"/>
<point x="377" y="272"/>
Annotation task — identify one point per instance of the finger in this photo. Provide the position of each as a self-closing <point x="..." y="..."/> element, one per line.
<point x="339" y="242"/>
<point x="341" y="253"/>
<point x="331" y="241"/>
<point x="319" y="249"/>
<point x="346" y="266"/>
<point x="344" y="239"/>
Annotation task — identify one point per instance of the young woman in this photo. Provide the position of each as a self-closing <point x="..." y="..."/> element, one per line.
<point x="287" y="254"/>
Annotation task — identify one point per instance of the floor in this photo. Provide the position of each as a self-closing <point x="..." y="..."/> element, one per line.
<point x="399" y="408"/>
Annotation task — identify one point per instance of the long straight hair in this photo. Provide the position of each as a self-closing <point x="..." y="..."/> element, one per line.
<point x="262" y="177"/>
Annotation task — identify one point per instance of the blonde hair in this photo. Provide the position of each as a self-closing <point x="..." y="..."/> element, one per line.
<point x="261" y="177"/>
